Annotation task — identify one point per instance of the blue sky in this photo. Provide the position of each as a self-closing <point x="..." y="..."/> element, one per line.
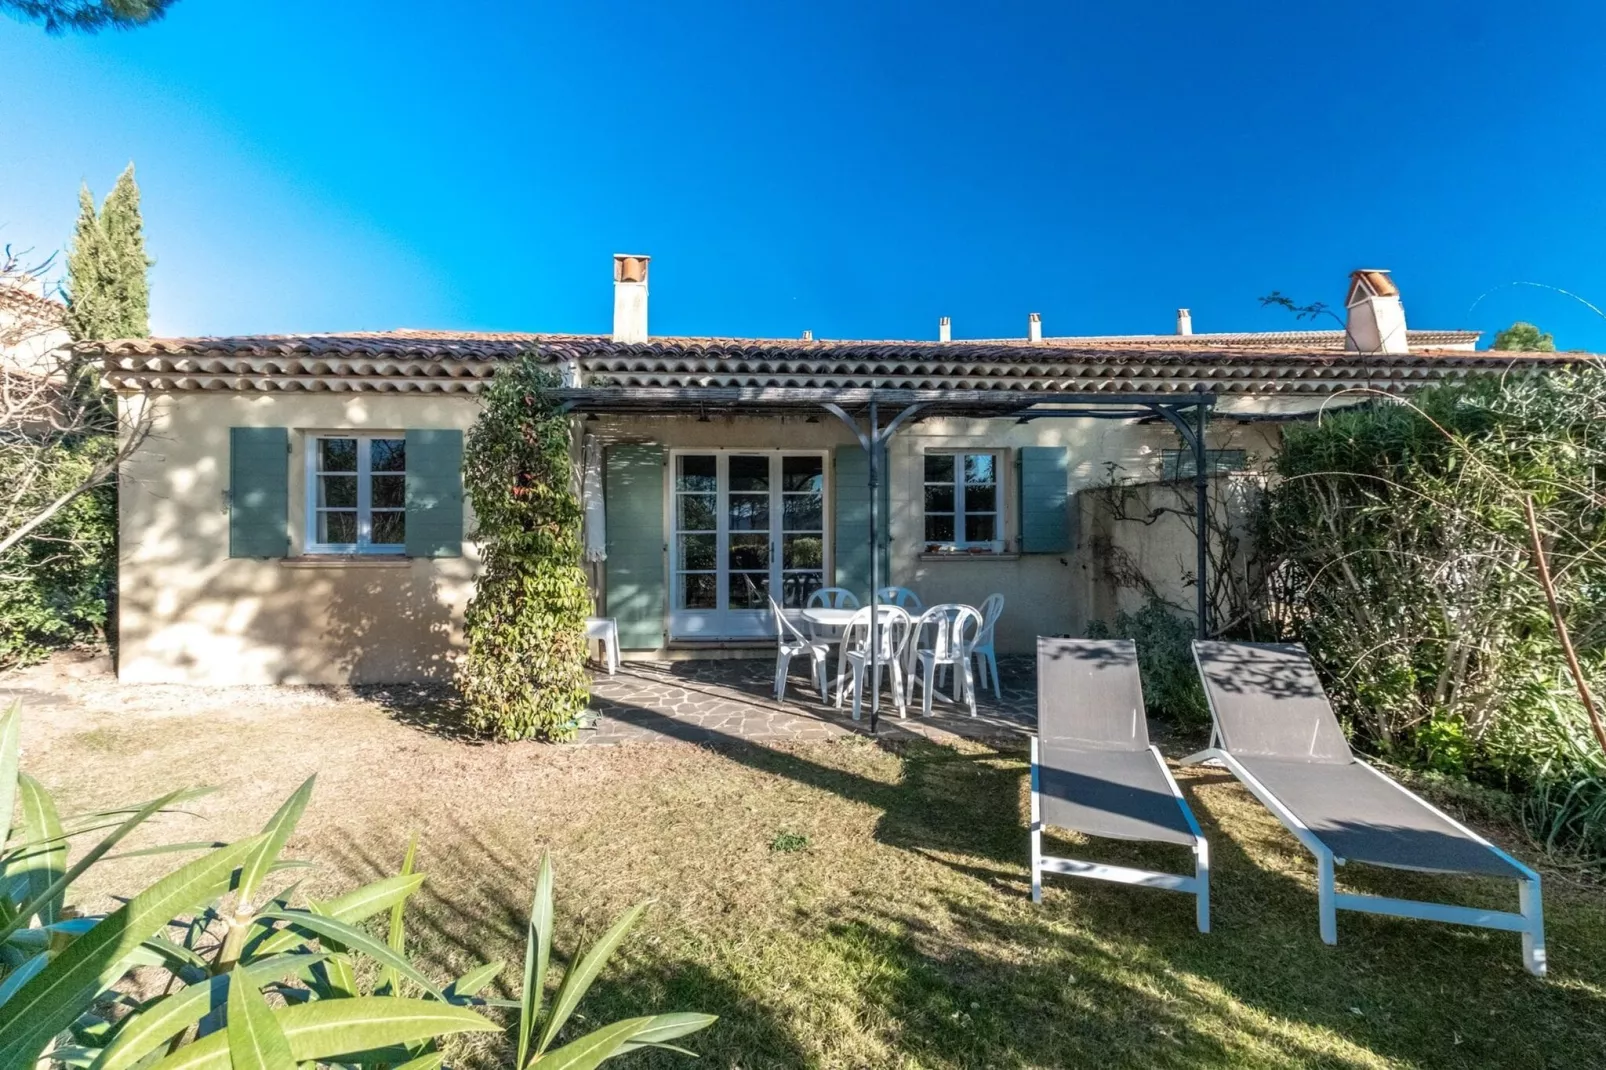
<point x="853" y="168"/>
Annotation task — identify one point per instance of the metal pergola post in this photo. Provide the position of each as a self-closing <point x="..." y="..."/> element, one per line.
<point x="874" y="445"/>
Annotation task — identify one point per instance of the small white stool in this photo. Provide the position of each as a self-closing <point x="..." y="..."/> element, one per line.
<point x="605" y="630"/>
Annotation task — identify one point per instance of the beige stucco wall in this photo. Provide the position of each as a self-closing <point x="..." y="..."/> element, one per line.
<point x="188" y="613"/>
<point x="191" y="614"/>
<point x="1045" y="594"/>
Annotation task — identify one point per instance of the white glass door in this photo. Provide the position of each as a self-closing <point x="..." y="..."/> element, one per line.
<point x="747" y="525"/>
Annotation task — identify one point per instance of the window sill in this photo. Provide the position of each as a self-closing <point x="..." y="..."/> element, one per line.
<point x="991" y="555"/>
<point x="346" y="561"/>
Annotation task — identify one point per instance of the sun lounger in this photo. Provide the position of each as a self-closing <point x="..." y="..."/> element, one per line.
<point x="1277" y="733"/>
<point x="1094" y="770"/>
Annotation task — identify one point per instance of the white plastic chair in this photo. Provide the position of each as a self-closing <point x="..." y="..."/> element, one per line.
<point x="605" y="630"/>
<point x="830" y="598"/>
<point x="986" y="657"/>
<point x="891" y="635"/>
<point x="953" y="629"/>
<point x="789" y="643"/>
<point x="902" y="597"/>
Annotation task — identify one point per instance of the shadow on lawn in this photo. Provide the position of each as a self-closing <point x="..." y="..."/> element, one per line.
<point x="484" y="921"/>
<point x="1150" y="990"/>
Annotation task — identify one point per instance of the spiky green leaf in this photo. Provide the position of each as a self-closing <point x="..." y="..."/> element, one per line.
<point x="537" y="955"/>
<point x="255" y="1040"/>
<point x="42" y="863"/>
<point x="353" y="938"/>
<point x="577" y="980"/>
<point x="592" y="1049"/>
<point x="276" y="834"/>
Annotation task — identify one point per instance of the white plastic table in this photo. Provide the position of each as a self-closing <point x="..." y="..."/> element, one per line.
<point x="828" y="617"/>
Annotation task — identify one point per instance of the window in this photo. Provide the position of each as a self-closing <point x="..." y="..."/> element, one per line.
<point x="961" y="502"/>
<point x="1178" y="464"/>
<point x="356" y="495"/>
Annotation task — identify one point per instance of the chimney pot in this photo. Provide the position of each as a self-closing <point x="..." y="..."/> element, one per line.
<point x="1034" y="327"/>
<point x="945" y="332"/>
<point x="808" y="336"/>
<point x="1376" y="318"/>
<point x="630" y="297"/>
<point x="1184" y="321"/>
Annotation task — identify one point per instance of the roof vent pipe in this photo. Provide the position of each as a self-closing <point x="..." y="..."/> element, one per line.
<point x="630" y="297"/>
<point x="1034" y="327"/>
<point x="945" y="331"/>
<point x="1184" y="321"/>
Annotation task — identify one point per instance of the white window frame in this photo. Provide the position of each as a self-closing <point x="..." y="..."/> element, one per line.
<point x="728" y="623"/>
<point x="959" y="544"/>
<point x="364" y="474"/>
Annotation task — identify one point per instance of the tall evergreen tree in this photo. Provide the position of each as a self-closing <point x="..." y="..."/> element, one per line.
<point x="108" y="293"/>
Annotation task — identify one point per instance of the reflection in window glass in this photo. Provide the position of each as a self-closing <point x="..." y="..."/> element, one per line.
<point x="961" y="499"/>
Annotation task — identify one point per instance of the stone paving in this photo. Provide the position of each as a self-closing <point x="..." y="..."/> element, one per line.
<point x="732" y="699"/>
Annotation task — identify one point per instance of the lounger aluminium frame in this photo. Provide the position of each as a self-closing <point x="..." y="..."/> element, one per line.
<point x="1271" y="674"/>
<point x="1103" y="778"/>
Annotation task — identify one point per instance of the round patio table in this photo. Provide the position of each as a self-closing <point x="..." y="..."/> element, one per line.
<point x="828" y="617"/>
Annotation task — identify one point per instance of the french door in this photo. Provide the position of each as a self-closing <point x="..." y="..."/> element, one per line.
<point x="747" y="525"/>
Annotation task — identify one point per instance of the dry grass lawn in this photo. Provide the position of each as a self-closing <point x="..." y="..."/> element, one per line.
<point x="901" y="935"/>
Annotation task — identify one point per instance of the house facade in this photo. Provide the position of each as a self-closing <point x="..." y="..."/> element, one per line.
<point x="296" y="512"/>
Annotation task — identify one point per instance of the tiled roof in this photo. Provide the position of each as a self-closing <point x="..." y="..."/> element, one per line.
<point x="461" y="362"/>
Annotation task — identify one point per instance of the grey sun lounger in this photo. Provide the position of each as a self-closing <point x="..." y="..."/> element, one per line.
<point x="1277" y="733"/>
<point x="1095" y="772"/>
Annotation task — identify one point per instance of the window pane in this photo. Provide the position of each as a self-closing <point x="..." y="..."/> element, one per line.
<point x="979" y="468"/>
<point x="750" y="590"/>
<point x="939" y="497"/>
<point x="939" y="468"/>
<point x="698" y="591"/>
<point x="981" y="528"/>
<point x="389" y="528"/>
<point x="696" y="512"/>
<point x="696" y="473"/>
<point x="750" y="512"/>
<point x="802" y="512"/>
<point x="797" y="586"/>
<point x="338" y="491"/>
<point x="939" y="528"/>
<point x="980" y="499"/>
<point x="387" y="492"/>
<point x="337" y="455"/>
<point x="338" y="527"/>
<point x="803" y="473"/>
<point x="802" y="551"/>
<point x="750" y="473"/>
<point x="697" y="551"/>
<point x="388" y="454"/>
<point x="749" y="552"/>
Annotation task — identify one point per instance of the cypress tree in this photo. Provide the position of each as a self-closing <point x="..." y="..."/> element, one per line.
<point x="108" y="293"/>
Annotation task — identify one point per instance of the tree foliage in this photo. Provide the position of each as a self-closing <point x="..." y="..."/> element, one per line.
<point x="108" y="292"/>
<point x="1524" y="338"/>
<point x="87" y="16"/>
<point x="524" y="674"/>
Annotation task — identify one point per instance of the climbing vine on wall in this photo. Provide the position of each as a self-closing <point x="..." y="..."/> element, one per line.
<point x="524" y="674"/>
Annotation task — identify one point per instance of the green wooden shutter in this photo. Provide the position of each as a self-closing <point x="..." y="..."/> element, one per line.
<point x="259" y="492"/>
<point x="852" y="546"/>
<point x="633" y="512"/>
<point x="435" y="493"/>
<point x="1045" y="516"/>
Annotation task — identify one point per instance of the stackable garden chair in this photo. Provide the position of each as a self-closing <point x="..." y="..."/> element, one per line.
<point x="1275" y="730"/>
<point x="1094" y="770"/>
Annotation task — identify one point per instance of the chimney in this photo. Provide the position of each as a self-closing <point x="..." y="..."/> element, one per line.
<point x="945" y="330"/>
<point x="1376" y="320"/>
<point x="808" y="336"/>
<point x="1184" y="321"/>
<point x="1034" y="327"/>
<point x="629" y="297"/>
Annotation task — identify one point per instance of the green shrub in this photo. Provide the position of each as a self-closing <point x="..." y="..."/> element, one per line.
<point x="1171" y="688"/>
<point x="213" y="942"/>
<point x="55" y="585"/>
<point x="1402" y="559"/>
<point x="524" y="674"/>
